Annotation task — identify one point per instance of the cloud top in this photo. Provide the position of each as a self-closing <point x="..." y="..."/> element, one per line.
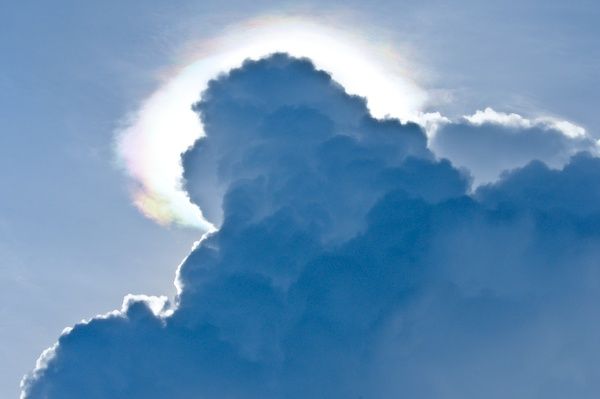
<point x="151" y="141"/>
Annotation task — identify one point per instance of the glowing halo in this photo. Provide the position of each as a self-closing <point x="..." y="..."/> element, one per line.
<point x="165" y="126"/>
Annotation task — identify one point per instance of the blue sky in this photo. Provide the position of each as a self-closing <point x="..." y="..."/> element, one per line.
<point x="72" y="245"/>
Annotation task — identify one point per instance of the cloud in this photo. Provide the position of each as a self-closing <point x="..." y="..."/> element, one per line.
<point x="490" y="142"/>
<point x="490" y="116"/>
<point x="150" y="144"/>
<point x="351" y="261"/>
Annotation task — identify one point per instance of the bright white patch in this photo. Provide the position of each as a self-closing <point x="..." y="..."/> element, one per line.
<point x="159" y="305"/>
<point x="489" y="115"/>
<point x="431" y="122"/>
<point x="165" y="126"/>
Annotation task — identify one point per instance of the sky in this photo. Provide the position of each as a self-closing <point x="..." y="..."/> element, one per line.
<point x="382" y="284"/>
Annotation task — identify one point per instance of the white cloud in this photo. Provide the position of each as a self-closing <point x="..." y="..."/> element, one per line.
<point x="514" y="120"/>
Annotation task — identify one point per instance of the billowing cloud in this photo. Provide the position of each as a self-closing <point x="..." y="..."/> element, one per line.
<point x="490" y="142"/>
<point x="351" y="261"/>
<point x="150" y="144"/>
<point x="151" y="141"/>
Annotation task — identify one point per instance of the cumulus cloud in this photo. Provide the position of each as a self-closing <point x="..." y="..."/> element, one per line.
<point x="490" y="142"/>
<point x="150" y="144"/>
<point x="351" y="261"/>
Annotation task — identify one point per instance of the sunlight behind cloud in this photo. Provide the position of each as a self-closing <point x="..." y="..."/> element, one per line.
<point x="165" y="126"/>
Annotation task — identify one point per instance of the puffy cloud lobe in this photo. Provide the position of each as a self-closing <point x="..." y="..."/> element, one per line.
<point x="489" y="142"/>
<point x="296" y="134"/>
<point x="350" y="262"/>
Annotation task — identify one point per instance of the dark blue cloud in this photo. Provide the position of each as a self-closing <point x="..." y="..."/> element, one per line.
<point x="351" y="262"/>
